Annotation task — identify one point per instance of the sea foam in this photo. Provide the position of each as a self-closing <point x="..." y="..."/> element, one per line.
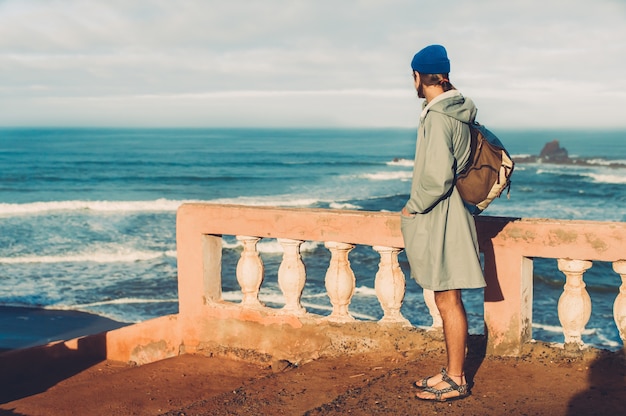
<point x="388" y="176"/>
<point x="159" y="205"/>
<point x="95" y="256"/>
<point x="7" y="209"/>
<point x="605" y="178"/>
<point x="401" y="162"/>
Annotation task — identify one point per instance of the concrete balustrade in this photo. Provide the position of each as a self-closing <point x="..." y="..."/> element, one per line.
<point x="250" y="271"/>
<point x="208" y="324"/>
<point x="574" y="304"/>
<point x="292" y="275"/>
<point x="340" y="281"/>
<point x="619" y="307"/>
<point x="390" y="286"/>
<point x="429" y="299"/>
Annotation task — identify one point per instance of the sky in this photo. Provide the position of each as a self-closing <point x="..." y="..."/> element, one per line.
<point x="307" y="63"/>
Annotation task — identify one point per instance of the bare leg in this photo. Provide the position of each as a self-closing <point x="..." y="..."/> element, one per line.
<point x="454" y="319"/>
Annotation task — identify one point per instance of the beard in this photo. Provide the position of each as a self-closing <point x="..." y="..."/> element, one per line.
<point x="420" y="91"/>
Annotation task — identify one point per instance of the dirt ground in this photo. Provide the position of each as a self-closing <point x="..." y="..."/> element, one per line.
<point x="543" y="382"/>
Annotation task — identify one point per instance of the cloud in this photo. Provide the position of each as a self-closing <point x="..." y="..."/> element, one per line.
<point x="344" y="63"/>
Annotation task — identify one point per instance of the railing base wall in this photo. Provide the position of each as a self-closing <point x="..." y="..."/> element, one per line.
<point x="264" y="340"/>
<point x="259" y="336"/>
<point x="145" y="342"/>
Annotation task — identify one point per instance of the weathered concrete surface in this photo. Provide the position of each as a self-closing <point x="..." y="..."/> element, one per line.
<point x="253" y="335"/>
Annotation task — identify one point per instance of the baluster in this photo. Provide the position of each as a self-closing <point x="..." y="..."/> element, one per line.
<point x="250" y="271"/>
<point x="390" y="285"/>
<point x="574" y="306"/>
<point x="340" y="281"/>
<point x="619" y="307"/>
<point x="429" y="298"/>
<point x="292" y="275"/>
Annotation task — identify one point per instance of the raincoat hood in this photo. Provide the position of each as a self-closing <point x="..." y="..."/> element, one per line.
<point x="452" y="104"/>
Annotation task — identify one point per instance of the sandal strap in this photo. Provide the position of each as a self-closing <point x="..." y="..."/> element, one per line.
<point x="439" y="393"/>
<point x="453" y="386"/>
<point x="451" y="382"/>
<point x="424" y="382"/>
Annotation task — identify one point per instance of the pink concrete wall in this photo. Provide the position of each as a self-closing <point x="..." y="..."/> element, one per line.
<point x="507" y="244"/>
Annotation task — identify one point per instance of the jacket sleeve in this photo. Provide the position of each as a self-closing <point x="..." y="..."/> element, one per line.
<point x="436" y="175"/>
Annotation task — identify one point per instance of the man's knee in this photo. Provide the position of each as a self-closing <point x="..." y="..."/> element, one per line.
<point x="447" y="299"/>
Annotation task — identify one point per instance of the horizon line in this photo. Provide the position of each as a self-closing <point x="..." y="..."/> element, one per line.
<point x="294" y="127"/>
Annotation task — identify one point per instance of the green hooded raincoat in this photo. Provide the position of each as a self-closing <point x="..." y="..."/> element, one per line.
<point x="440" y="237"/>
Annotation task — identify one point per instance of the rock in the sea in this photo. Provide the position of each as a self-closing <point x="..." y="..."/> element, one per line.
<point x="553" y="152"/>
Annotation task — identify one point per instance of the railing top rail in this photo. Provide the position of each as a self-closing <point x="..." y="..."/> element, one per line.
<point x="356" y="227"/>
<point x="553" y="238"/>
<point x="532" y="237"/>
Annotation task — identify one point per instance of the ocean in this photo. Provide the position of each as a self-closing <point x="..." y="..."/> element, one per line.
<point x="87" y="216"/>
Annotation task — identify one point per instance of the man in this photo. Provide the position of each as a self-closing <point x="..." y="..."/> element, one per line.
<point x="439" y="232"/>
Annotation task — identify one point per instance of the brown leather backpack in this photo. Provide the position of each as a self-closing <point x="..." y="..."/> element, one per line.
<point x="488" y="171"/>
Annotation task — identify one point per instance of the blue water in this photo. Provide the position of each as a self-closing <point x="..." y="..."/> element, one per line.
<point x="87" y="216"/>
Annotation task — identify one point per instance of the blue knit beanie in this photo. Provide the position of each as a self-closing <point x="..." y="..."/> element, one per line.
<point x="432" y="59"/>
